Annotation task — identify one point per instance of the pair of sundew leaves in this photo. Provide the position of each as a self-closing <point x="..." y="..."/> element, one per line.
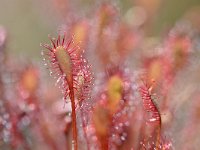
<point x="68" y="65"/>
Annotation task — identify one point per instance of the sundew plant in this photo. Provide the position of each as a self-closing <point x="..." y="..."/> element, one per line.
<point x="116" y="84"/>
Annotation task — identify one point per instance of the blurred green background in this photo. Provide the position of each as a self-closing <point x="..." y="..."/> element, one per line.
<point x="28" y="22"/>
<point x="27" y="25"/>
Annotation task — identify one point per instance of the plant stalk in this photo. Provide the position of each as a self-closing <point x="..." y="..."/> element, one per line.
<point x="74" y="127"/>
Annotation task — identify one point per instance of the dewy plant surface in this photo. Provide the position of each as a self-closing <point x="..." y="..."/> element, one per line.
<point x="117" y="85"/>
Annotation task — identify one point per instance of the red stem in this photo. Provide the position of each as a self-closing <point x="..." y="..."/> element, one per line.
<point x="74" y="129"/>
